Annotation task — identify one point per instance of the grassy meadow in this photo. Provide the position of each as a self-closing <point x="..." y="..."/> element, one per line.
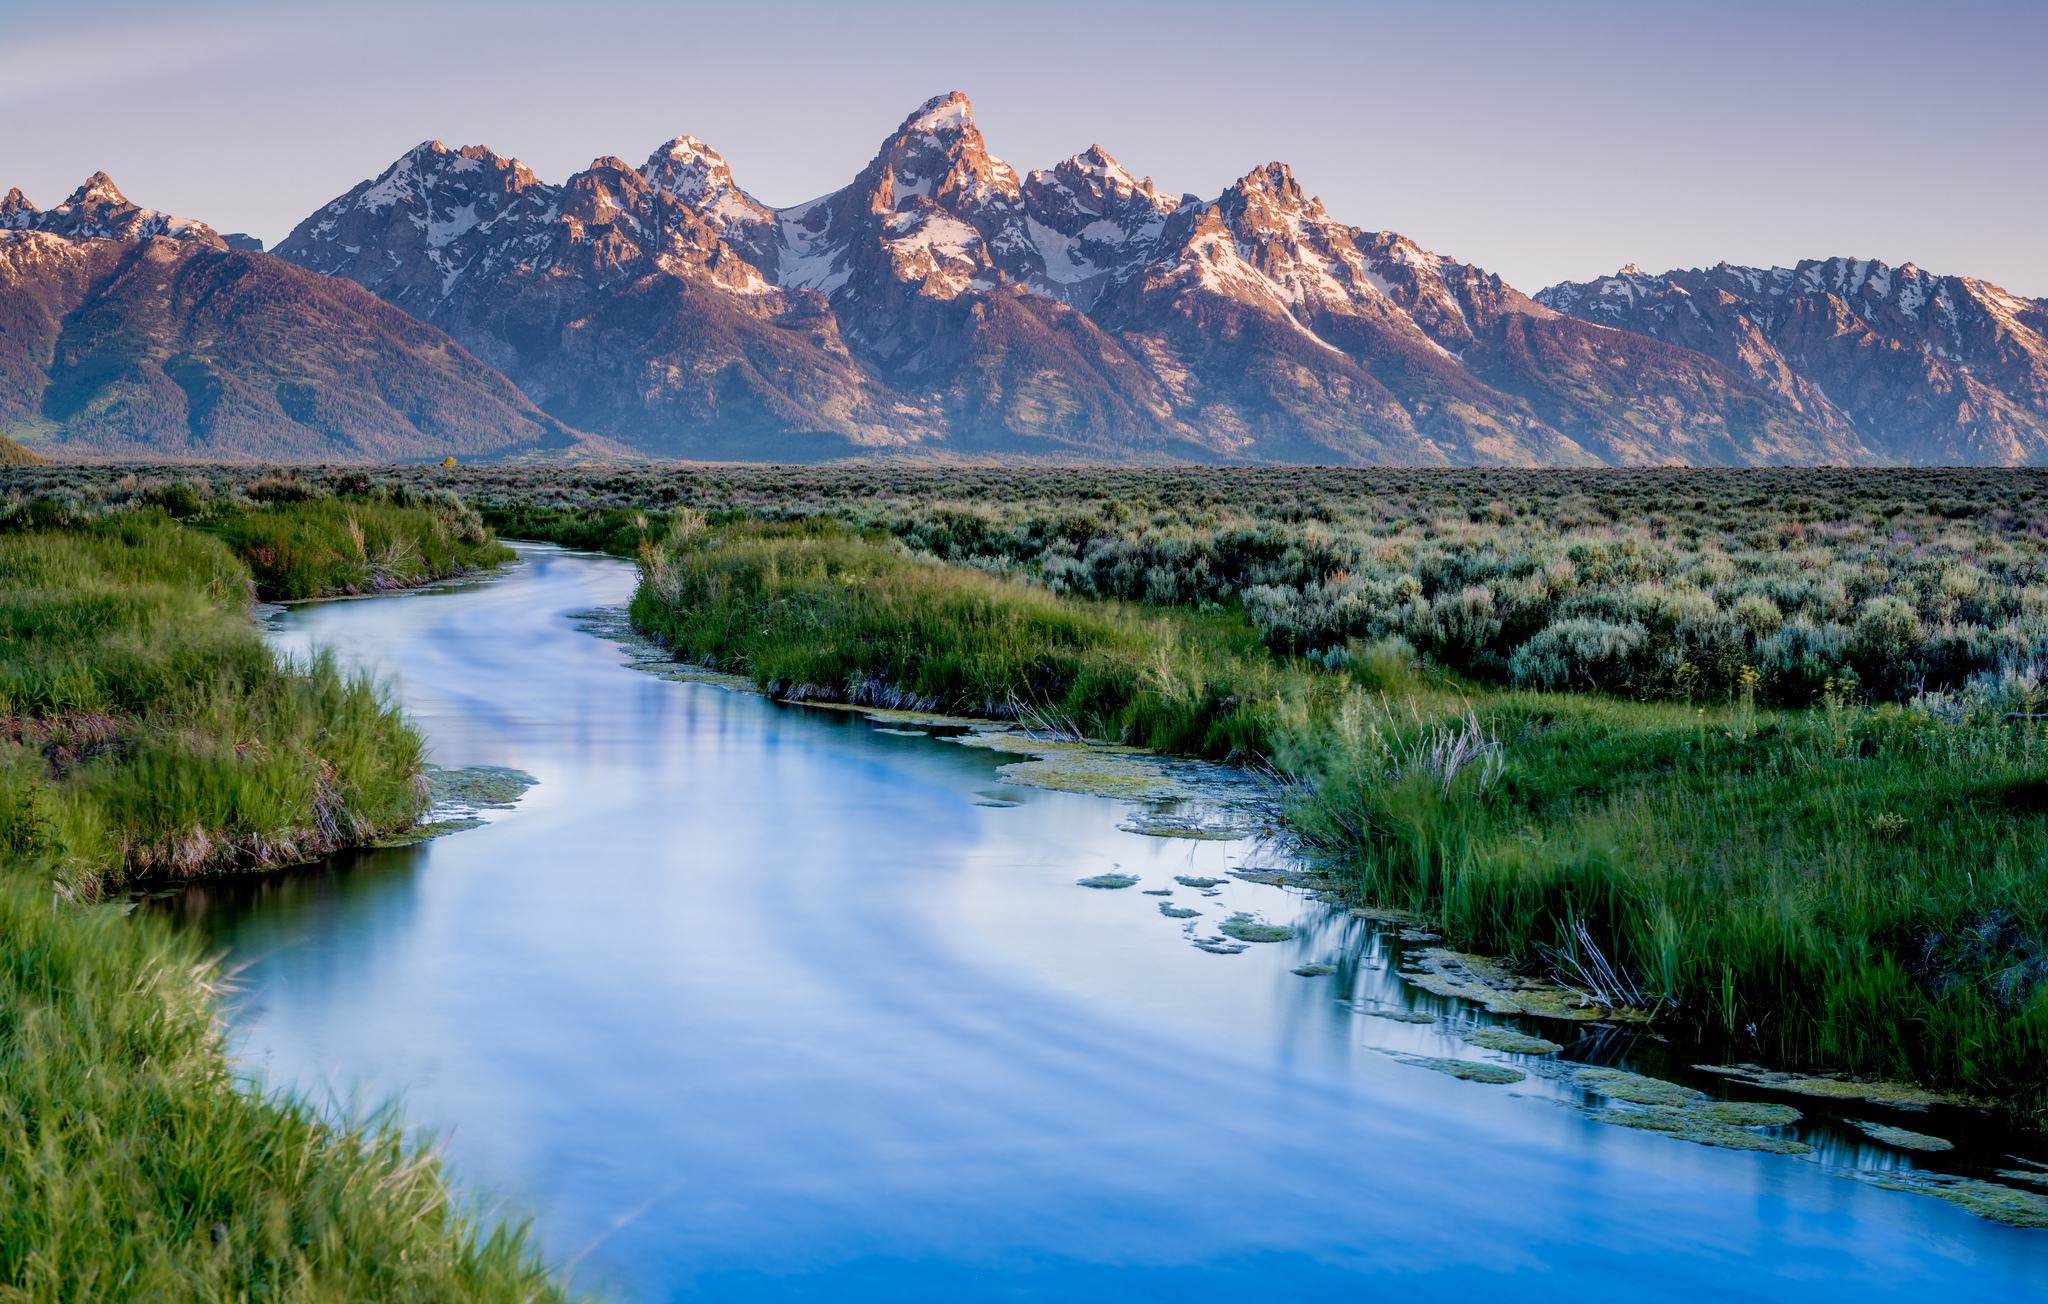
<point x="1762" y="749"/>
<point x="146" y="731"/>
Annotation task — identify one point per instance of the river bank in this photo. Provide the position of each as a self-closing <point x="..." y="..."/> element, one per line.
<point x="146" y="731"/>
<point x="1848" y="888"/>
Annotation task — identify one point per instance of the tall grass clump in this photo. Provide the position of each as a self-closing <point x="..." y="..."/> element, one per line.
<point x="1846" y="888"/>
<point x="814" y="611"/>
<point x="146" y="729"/>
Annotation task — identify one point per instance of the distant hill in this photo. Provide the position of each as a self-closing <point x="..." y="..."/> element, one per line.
<point x="13" y="454"/>
<point x="129" y="333"/>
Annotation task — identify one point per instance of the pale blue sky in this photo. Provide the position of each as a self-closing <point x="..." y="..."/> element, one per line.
<point x="1539" y="140"/>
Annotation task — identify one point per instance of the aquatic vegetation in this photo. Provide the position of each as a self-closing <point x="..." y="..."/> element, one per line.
<point x="1900" y="1137"/>
<point x="1247" y="929"/>
<point x="1501" y="990"/>
<point x="2004" y="1204"/>
<point x="1746" y="1113"/>
<point x="1314" y="970"/>
<point x="1158" y="891"/>
<point x="1899" y="1095"/>
<point x="1108" y="881"/>
<point x="1510" y="1041"/>
<point x="1219" y="946"/>
<point x="486" y="786"/>
<point x="1188" y="881"/>
<point x="1698" y="1127"/>
<point x="1402" y="1016"/>
<point x="1172" y="911"/>
<point x="1618" y="1084"/>
<point x="1469" y="1070"/>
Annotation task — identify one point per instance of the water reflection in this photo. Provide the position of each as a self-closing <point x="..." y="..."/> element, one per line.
<point x="759" y="1003"/>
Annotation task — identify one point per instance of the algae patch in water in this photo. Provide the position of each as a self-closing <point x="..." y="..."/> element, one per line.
<point x="1315" y="970"/>
<point x="1510" y="1041"/>
<point x="1697" y="1126"/>
<point x="1219" y="946"/>
<point x="1618" y="1084"/>
<point x="1899" y="1095"/>
<point x="457" y="799"/>
<point x="1247" y="929"/>
<point x="419" y="833"/>
<point x="1108" y="880"/>
<point x="1402" y="1016"/>
<point x="1185" y="881"/>
<point x="2003" y="1204"/>
<point x="491" y="787"/>
<point x="1900" y="1137"/>
<point x="1747" y="1113"/>
<point x="1488" y="982"/>
<point x="1176" y="912"/>
<point x="1158" y="891"/>
<point x="1469" y="1070"/>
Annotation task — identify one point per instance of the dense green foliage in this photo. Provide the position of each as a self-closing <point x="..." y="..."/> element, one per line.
<point x="299" y="539"/>
<point x="1846" y="888"/>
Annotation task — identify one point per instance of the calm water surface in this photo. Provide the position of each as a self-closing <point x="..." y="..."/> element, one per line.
<point x="747" y="1002"/>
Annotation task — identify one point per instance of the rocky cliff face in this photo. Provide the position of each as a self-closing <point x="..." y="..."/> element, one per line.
<point x="1916" y="368"/>
<point x="127" y="332"/>
<point x="944" y="301"/>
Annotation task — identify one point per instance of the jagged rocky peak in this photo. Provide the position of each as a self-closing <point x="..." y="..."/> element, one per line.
<point x="696" y="175"/>
<point x="938" y="155"/>
<point x="99" y="188"/>
<point x="97" y="210"/>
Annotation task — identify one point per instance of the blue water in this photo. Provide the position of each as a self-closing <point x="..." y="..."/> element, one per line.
<point x="751" y="1002"/>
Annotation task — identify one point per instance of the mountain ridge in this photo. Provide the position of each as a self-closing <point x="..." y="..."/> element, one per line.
<point x="944" y="303"/>
<point x="947" y="300"/>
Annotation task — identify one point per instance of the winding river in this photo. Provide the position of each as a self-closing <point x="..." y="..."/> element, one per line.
<point x="752" y="1002"/>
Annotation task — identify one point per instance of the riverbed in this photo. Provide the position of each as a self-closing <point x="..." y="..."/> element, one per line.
<point x="747" y="1001"/>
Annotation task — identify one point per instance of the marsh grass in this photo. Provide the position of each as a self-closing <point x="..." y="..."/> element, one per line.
<point x="1726" y="865"/>
<point x="326" y="547"/>
<point x="145" y="728"/>
<point x="812" y="610"/>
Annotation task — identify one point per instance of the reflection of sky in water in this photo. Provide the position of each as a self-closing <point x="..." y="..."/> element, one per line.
<point x="759" y="1003"/>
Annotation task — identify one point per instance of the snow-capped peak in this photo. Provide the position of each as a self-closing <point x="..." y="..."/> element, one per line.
<point x="99" y="188"/>
<point x="942" y="113"/>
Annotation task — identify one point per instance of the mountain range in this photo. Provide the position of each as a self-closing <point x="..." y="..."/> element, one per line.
<point x="942" y="303"/>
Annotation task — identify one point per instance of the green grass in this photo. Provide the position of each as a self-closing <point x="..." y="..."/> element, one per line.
<point x="136" y="1169"/>
<point x="144" y="726"/>
<point x="326" y="547"/>
<point x="812" y="610"/>
<point x="146" y="729"/>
